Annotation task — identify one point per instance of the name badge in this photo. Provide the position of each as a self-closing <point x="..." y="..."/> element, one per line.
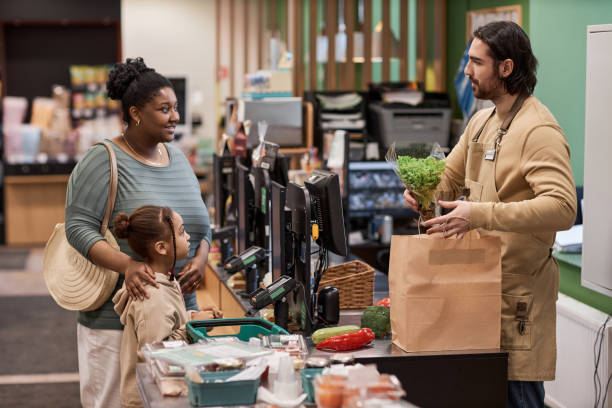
<point x="490" y="155"/>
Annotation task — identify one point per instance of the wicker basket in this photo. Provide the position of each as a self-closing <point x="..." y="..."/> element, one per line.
<point x="355" y="282"/>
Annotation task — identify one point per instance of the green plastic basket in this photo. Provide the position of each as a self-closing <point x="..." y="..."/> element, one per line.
<point x="211" y="393"/>
<point x="308" y="374"/>
<point x="249" y="327"/>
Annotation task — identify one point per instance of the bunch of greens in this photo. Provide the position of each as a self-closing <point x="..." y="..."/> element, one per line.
<point x="422" y="176"/>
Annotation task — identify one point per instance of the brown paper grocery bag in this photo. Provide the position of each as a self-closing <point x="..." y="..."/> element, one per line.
<point x="445" y="293"/>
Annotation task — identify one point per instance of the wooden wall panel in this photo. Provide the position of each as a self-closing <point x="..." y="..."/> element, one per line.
<point x="298" y="53"/>
<point x="348" y="73"/>
<point x="421" y="40"/>
<point x="313" y="31"/>
<point x="386" y="40"/>
<point x="245" y="13"/>
<point x="367" y="43"/>
<point x="440" y="45"/>
<point x="260" y="29"/>
<point x="232" y="9"/>
<point x="331" y="27"/>
<point x="403" y="40"/>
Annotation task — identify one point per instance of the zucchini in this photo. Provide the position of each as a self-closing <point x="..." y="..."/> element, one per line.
<point x="327" y="332"/>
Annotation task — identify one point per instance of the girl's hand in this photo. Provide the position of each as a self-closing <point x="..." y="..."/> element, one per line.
<point x="202" y="315"/>
<point x="217" y="314"/>
<point x="192" y="275"/>
<point x="137" y="275"/>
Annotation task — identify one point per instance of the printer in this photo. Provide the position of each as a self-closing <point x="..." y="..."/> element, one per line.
<point x="404" y="124"/>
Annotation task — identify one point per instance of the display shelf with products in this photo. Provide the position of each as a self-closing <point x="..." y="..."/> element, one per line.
<point x="375" y="189"/>
<point x="90" y="101"/>
<point x="376" y="210"/>
<point x="337" y="110"/>
<point x="43" y="136"/>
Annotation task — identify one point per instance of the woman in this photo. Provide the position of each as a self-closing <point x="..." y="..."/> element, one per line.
<point x="150" y="172"/>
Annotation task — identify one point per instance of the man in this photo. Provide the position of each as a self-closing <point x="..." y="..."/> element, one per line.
<point x="513" y="165"/>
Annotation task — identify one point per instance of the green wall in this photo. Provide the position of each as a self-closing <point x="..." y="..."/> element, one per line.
<point x="562" y="63"/>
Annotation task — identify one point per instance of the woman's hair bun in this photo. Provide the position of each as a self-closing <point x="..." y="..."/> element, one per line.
<point x="122" y="75"/>
<point x="120" y="226"/>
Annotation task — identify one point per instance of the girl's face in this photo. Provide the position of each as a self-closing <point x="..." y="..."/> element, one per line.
<point x="181" y="236"/>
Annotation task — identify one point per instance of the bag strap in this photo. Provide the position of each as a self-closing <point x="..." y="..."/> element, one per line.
<point x="112" y="188"/>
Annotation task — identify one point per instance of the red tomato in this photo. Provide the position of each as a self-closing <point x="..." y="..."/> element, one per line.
<point x="386" y="302"/>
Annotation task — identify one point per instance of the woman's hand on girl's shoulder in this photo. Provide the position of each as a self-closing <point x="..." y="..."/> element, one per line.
<point x="191" y="275"/>
<point x="137" y="275"/>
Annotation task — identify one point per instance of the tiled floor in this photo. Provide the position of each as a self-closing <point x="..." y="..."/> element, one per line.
<point x="26" y="282"/>
<point x="53" y="384"/>
<point x="51" y="378"/>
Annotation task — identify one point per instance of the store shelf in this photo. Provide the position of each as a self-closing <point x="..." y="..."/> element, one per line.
<point x="33" y="205"/>
<point x="28" y="169"/>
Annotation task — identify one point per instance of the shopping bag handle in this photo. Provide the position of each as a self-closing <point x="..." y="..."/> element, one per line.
<point x="473" y="234"/>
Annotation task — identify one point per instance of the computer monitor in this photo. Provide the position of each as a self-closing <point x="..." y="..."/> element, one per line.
<point x="326" y="201"/>
<point x="180" y="84"/>
<point x="223" y="176"/>
<point x="298" y="202"/>
<point x="261" y="185"/>
<point x="280" y="172"/>
<point x="245" y="198"/>
<point x="278" y="227"/>
<point x="284" y="118"/>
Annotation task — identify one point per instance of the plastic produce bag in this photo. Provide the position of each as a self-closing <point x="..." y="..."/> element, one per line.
<point x="420" y="172"/>
<point x="264" y="155"/>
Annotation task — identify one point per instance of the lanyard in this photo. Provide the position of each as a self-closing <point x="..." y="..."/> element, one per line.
<point x="503" y="129"/>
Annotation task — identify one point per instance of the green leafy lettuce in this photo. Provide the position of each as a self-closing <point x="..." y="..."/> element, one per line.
<point x="422" y="176"/>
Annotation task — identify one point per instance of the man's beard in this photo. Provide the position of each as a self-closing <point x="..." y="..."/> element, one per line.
<point x="491" y="93"/>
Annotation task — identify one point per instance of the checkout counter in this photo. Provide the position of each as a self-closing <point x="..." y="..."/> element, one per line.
<point x="473" y="378"/>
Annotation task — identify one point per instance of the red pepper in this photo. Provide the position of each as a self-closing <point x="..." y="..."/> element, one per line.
<point x="386" y="302"/>
<point x="349" y="341"/>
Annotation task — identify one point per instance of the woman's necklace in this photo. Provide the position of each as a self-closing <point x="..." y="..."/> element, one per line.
<point x="161" y="156"/>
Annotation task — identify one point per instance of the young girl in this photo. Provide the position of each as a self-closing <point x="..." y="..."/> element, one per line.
<point x="158" y="235"/>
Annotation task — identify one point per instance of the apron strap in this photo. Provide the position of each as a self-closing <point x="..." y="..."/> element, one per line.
<point x="516" y="106"/>
<point x="477" y="135"/>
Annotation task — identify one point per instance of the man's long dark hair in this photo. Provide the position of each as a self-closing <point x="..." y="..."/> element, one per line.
<point x="506" y="40"/>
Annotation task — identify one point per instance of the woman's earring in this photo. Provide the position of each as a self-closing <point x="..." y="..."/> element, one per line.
<point x="138" y="122"/>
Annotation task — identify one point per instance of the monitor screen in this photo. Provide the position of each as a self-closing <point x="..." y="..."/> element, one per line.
<point x="245" y="197"/>
<point x="298" y="202"/>
<point x="278" y="224"/>
<point x="223" y="174"/>
<point x="284" y="118"/>
<point x="280" y="173"/>
<point x="261" y="186"/>
<point x="326" y="202"/>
